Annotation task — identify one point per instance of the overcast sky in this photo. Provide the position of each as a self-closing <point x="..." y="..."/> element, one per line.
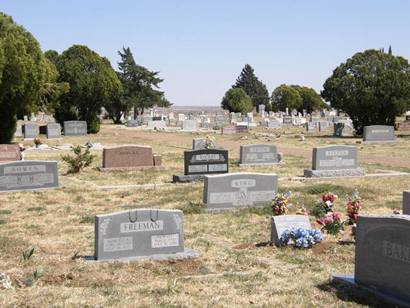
<point x="199" y="47"/>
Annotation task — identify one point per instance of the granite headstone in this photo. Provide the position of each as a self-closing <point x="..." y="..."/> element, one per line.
<point x="75" y="128"/>
<point x="9" y="152"/>
<point x="28" y="175"/>
<point x="259" y="154"/>
<point x="406" y="202"/>
<point x="235" y="190"/>
<point x="376" y="133"/>
<point x="30" y="131"/>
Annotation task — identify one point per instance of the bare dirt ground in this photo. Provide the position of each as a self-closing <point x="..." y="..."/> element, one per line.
<point x="236" y="267"/>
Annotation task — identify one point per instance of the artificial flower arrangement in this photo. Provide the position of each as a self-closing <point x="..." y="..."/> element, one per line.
<point x="37" y="141"/>
<point x="330" y="221"/>
<point x="209" y="142"/>
<point x="281" y="203"/>
<point x="353" y="207"/>
<point x="301" y="238"/>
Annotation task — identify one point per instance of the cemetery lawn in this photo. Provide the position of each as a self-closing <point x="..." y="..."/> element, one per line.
<point x="237" y="267"/>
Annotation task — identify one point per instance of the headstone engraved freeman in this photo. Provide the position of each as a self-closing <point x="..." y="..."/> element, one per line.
<point x="200" y="162"/>
<point x="149" y="233"/>
<point x="53" y="131"/>
<point x="28" y="175"/>
<point x="9" y="152"/>
<point x="382" y="261"/>
<point x="259" y="154"/>
<point x="30" y="131"/>
<point x="130" y="157"/>
<point x="406" y="202"/>
<point x="334" y="161"/>
<point x="287" y="222"/>
<point x="381" y="133"/>
<point x="235" y="190"/>
<point x="75" y="128"/>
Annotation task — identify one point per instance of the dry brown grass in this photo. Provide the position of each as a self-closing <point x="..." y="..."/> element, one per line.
<point x="232" y="271"/>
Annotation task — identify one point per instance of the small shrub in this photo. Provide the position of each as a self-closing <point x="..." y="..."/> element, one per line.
<point x="27" y="254"/>
<point x="79" y="161"/>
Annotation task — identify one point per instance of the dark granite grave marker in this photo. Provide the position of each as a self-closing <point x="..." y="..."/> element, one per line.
<point x="75" y="128"/>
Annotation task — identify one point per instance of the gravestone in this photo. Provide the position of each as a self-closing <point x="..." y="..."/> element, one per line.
<point x="132" y="123"/>
<point x="259" y="154"/>
<point x="157" y="124"/>
<point x="156" y="234"/>
<point x="241" y="128"/>
<point x="323" y="125"/>
<point x="382" y="261"/>
<point x="282" y="223"/>
<point x="228" y="130"/>
<point x="274" y="124"/>
<point x="19" y="130"/>
<point x="235" y="190"/>
<point x="311" y="127"/>
<point x="202" y="143"/>
<point x="406" y="202"/>
<point x="53" y="131"/>
<point x="9" y="152"/>
<point x="338" y="129"/>
<point x="30" y="131"/>
<point x="287" y="120"/>
<point x="75" y="128"/>
<point x="334" y="161"/>
<point x="130" y="157"/>
<point x="220" y="120"/>
<point x="190" y="126"/>
<point x="28" y="175"/>
<point x="197" y="163"/>
<point x="379" y="133"/>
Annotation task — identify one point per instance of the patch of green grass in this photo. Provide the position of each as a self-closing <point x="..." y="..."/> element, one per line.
<point x="35" y="209"/>
<point x="87" y="219"/>
<point x="2" y="222"/>
<point x="192" y="208"/>
<point x="5" y="212"/>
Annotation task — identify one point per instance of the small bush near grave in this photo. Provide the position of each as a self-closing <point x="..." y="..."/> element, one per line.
<point x="79" y="161"/>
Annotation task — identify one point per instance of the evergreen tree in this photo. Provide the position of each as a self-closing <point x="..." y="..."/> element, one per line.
<point x="93" y="84"/>
<point x="23" y="74"/>
<point x="140" y="86"/>
<point x="236" y="100"/>
<point x="253" y="87"/>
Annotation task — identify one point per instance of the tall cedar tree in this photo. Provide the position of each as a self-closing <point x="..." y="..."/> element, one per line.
<point x="139" y="85"/>
<point x="24" y="71"/>
<point x="372" y="87"/>
<point x="253" y="87"/>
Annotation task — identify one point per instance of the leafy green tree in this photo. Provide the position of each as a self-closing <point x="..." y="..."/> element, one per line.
<point x="372" y="87"/>
<point x="23" y="73"/>
<point x="311" y="100"/>
<point x="236" y="100"/>
<point x="286" y="96"/>
<point x="253" y="87"/>
<point x="140" y="86"/>
<point x="93" y="84"/>
<point x="52" y="56"/>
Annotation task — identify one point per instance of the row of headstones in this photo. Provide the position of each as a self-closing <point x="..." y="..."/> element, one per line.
<point x="381" y="243"/>
<point x="51" y="130"/>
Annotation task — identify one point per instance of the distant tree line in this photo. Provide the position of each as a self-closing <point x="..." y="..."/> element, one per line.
<point x="372" y="87"/>
<point x="73" y="85"/>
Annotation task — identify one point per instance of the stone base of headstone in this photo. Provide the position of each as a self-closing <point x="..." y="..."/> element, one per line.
<point x="131" y="168"/>
<point x="309" y="173"/>
<point x="279" y="158"/>
<point x="187" y="178"/>
<point x="379" y="141"/>
<point x="187" y="253"/>
<point x="350" y="280"/>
